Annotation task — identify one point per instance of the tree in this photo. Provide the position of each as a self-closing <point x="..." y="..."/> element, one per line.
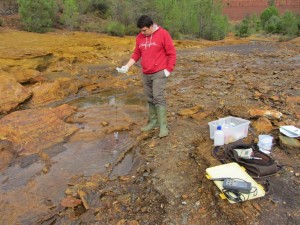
<point x="202" y="18"/>
<point x="213" y="25"/>
<point x="267" y="14"/>
<point x="37" y="15"/>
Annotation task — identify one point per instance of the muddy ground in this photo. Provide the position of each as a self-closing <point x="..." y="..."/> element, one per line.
<point x="60" y="161"/>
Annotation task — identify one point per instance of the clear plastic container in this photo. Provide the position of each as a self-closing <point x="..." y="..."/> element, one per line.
<point x="234" y="128"/>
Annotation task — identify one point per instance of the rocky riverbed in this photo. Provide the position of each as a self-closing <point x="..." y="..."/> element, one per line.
<point x="62" y="163"/>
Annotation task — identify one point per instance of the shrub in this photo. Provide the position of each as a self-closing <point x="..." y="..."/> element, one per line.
<point x="274" y="25"/>
<point x="132" y="30"/>
<point x="289" y="24"/>
<point x="115" y="29"/>
<point x="248" y="26"/>
<point x="267" y="14"/>
<point x="285" y="38"/>
<point x="242" y="29"/>
<point x="298" y="24"/>
<point x="126" y="12"/>
<point x="216" y="28"/>
<point x="255" y="23"/>
<point x="93" y="26"/>
<point x="100" y="7"/>
<point x="70" y="16"/>
<point x="37" y="15"/>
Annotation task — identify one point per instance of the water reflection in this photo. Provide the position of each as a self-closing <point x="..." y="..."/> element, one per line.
<point x="84" y="154"/>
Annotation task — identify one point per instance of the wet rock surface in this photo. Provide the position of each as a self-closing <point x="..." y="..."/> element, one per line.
<point x="68" y="155"/>
<point x="12" y="93"/>
<point x="41" y="129"/>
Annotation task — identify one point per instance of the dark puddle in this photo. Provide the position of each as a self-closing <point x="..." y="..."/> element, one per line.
<point x="71" y="159"/>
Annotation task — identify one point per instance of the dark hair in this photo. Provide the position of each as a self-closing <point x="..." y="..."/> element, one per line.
<point x="144" y="21"/>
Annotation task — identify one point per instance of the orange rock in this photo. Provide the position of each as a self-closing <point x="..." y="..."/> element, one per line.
<point x="70" y="202"/>
<point x="121" y="222"/>
<point x="190" y="111"/>
<point x="7" y="153"/>
<point x="263" y="125"/>
<point x="23" y="74"/>
<point x="269" y="113"/>
<point x="133" y="222"/>
<point x="83" y="197"/>
<point x="33" y="130"/>
<point x="200" y="116"/>
<point x="11" y="93"/>
<point x="184" y="196"/>
<point x="293" y="99"/>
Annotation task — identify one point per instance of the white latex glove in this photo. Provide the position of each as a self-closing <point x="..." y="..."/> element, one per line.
<point x="167" y="73"/>
<point x="123" y="69"/>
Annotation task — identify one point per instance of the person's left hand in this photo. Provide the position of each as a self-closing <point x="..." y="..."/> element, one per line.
<point x="167" y="73"/>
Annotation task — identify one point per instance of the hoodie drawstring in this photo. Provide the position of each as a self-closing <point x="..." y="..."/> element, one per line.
<point x="146" y="44"/>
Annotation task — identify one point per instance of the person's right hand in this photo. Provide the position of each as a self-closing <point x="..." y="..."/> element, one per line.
<point x="123" y="69"/>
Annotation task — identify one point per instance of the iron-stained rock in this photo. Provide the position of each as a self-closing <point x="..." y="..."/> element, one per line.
<point x="190" y="111"/>
<point x="35" y="129"/>
<point x="269" y="113"/>
<point x="263" y="125"/>
<point x="70" y="202"/>
<point x="11" y="92"/>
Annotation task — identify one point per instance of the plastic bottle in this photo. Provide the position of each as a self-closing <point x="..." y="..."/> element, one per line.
<point x="219" y="137"/>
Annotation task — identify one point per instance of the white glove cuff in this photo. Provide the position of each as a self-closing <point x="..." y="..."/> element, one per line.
<point x="167" y="73"/>
<point x="123" y="69"/>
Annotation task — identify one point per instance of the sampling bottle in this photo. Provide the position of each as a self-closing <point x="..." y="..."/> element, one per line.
<point x="219" y="136"/>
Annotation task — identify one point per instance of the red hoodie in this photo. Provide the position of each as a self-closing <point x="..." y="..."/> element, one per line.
<point x="157" y="51"/>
